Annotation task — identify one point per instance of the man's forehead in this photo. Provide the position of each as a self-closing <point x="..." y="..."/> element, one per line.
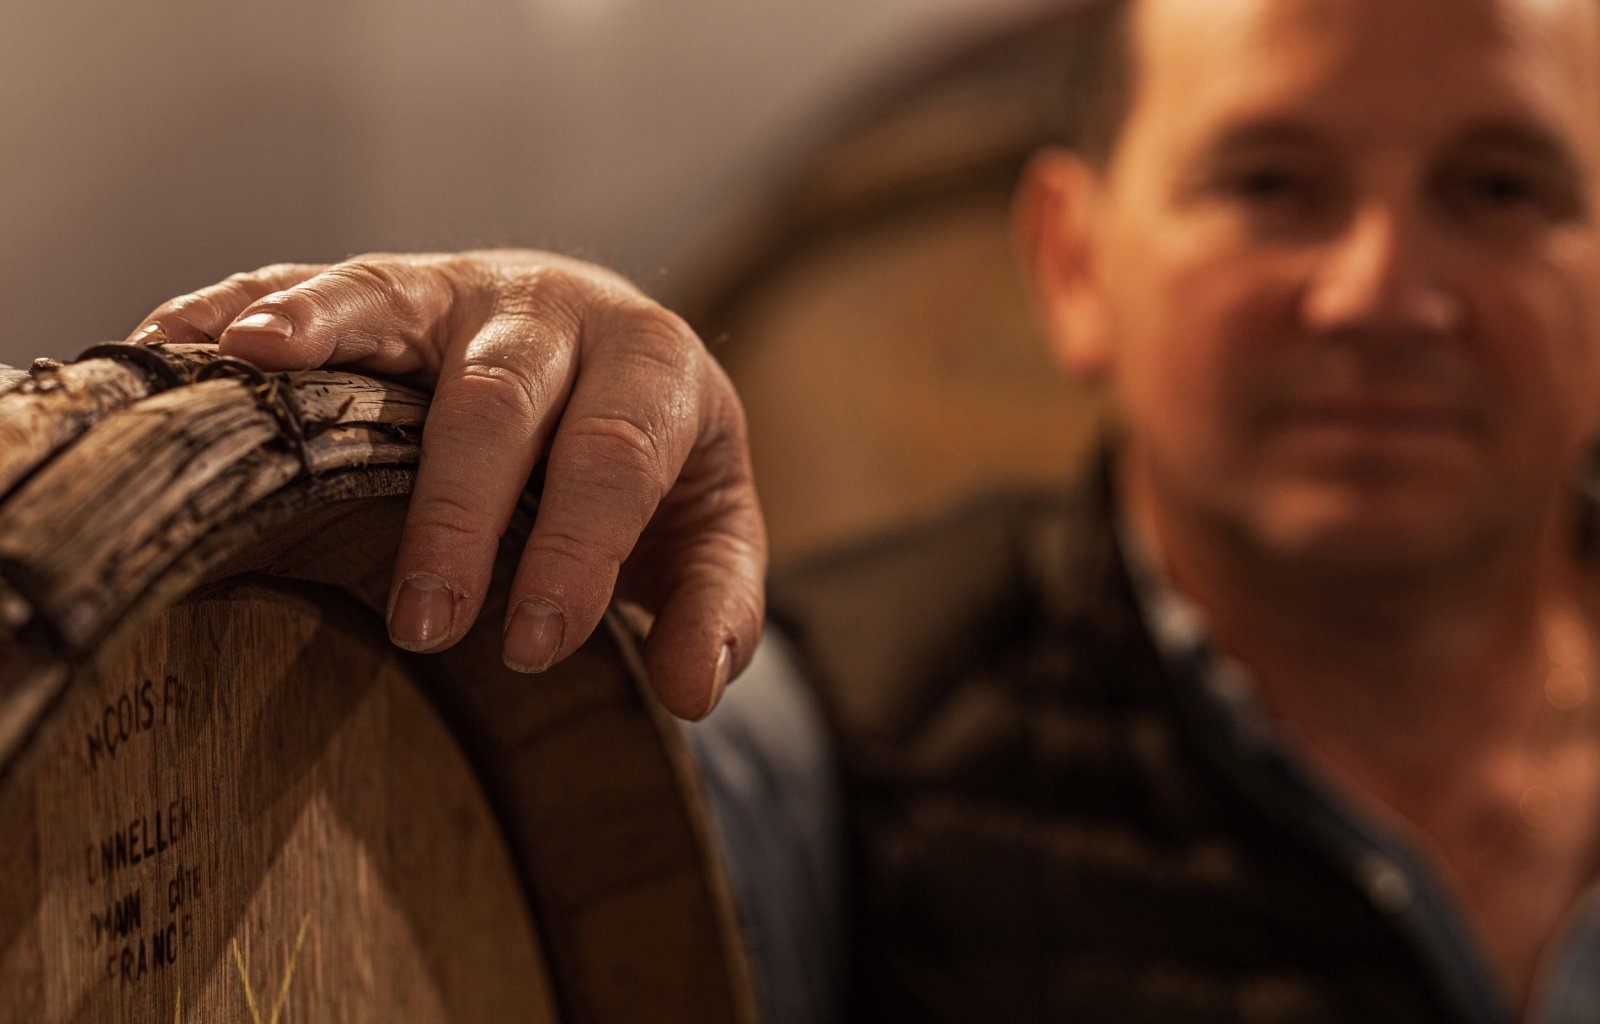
<point x="1390" y="56"/>
<point x="1266" y="20"/>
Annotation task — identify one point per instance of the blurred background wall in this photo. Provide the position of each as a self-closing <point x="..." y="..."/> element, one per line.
<point x="150" y="148"/>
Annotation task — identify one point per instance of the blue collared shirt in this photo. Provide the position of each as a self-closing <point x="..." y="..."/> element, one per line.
<point x="1391" y="871"/>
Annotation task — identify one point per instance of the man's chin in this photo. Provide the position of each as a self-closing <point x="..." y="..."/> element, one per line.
<point x="1343" y="532"/>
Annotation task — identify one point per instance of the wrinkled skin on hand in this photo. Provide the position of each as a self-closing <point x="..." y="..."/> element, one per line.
<point x="648" y="490"/>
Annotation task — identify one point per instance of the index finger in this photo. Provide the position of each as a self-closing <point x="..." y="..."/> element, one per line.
<point x="201" y="316"/>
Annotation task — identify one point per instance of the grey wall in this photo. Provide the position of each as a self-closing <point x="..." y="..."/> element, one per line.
<point x="148" y="148"/>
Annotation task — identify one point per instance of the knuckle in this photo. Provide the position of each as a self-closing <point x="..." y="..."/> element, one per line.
<point x="598" y="561"/>
<point x="361" y="274"/>
<point x="274" y="276"/>
<point x="662" y="339"/>
<point x="656" y="322"/>
<point x="238" y="290"/>
<point x="463" y="273"/>
<point x="449" y="520"/>
<point x="625" y="449"/>
<point x="557" y="278"/>
<point x="539" y="293"/>
<point x="567" y="544"/>
<point x="205" y="300"/>
<point x="494" y="392"/>
<point x="195" y="312"/>
<point x="372" y="282"/>
<point x="243" y="280"/>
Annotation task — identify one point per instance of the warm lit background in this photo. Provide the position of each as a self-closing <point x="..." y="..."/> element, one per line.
<point x="152" y="147"/>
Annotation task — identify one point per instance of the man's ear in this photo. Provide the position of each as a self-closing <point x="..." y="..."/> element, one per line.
<point x="1052" y="228"/>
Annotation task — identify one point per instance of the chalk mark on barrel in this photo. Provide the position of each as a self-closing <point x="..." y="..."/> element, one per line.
<point x="283" y="989"/>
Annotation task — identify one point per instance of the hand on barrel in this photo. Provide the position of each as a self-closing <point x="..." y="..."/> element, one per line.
<point x="647" y="490"/>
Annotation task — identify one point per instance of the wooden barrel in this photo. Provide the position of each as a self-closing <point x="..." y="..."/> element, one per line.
<point x="874" y="319"/>
<point x="225" y="797"/>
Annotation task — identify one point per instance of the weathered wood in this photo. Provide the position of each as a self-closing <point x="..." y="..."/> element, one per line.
<point x="10" y="377"/>
<point x="64" y="401"/>
<point x="226" y="795"/>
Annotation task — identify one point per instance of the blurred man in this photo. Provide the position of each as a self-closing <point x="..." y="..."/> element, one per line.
<point x="1288" y="714"/>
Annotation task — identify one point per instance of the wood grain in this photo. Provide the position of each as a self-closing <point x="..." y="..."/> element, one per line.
<point x="208" y="785"/>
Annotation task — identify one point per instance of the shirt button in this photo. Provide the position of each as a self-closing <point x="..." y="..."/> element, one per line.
<point x="1386" y="884"/>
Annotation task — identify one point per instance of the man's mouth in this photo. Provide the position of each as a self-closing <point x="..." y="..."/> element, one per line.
<point x="1382" y="421"/>
<point x="1375" y="416"/>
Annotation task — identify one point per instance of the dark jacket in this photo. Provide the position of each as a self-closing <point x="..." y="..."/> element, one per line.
<point x="1044" y="830"/>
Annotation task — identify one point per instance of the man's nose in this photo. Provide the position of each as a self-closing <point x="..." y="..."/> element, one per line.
<point x="1381" y="278"/>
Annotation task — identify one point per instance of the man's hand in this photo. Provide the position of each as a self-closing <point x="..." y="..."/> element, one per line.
<point x="647" y="491"/>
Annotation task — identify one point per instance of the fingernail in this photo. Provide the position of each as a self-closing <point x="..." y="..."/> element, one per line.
<point x="149" y="334"/>
<point x="533" y="636"/>
<point x="266" y="323"/>
<point x="719" y="678"/>
<point x="423" y="609"/>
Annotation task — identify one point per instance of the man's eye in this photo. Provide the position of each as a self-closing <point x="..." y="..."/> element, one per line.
<point x="1269" y="185"/>
<point x="1279" y="199"/>
<point x="1508" y="197"/>
<point x="1504" y="190"/>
